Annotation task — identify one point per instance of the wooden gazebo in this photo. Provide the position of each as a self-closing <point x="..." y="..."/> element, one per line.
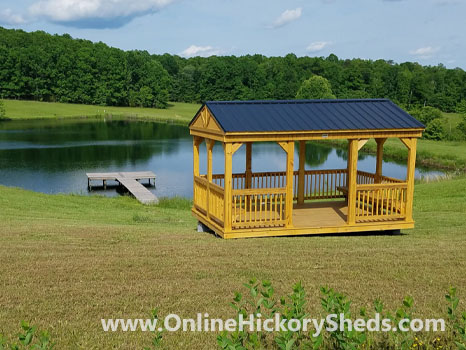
<point x="297" y="202"/>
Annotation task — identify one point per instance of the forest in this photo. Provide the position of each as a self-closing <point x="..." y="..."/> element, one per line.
<point x="57" y="68"/>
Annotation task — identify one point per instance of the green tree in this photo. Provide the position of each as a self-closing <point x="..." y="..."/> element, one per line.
<point x="316" y="87"/>
<point x="2" y="110"/>
<point x="435" y="130"/>
<point x="461" y="107"/>
<point x="426" y="114"/>
<point x="462" y="128"/>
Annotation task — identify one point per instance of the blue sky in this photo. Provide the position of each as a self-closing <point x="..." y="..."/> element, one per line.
<point x="426" y="31"/>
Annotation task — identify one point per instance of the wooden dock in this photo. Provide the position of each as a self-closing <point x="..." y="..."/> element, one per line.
<point x="129" y="180"/>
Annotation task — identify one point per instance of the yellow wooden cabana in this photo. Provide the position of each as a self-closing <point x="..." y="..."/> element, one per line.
<point x="299" y="202"/>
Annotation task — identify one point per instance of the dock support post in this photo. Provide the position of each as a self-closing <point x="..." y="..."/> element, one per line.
<point x="301" y="173"/>
<point x="352" y="180"/>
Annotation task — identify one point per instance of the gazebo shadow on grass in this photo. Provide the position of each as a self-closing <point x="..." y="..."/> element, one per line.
<point x="204" y="229"/>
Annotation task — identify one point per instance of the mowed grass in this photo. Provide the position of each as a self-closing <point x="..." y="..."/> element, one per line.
<point x="179" y="112"/>
<point x="68" y="261"/>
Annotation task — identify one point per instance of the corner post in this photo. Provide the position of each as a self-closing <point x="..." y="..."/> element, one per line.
<point x="289" y="183"/>
<point x="228" y="150"/>
<point x="301" y="173"/>
<point x="352" y="180"/>
<point x="196" y="143"/>
<point x="210" y="145"/>
<point x="410" y="178"/>
<point x="378" y="168"/>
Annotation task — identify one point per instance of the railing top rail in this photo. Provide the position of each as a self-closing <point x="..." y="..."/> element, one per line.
<point x="216" y="188"/>
<point x="324" y="171"/>
<point x="382" y="186"/>
<point x="388" y="178"/>
<point x="256" y="191"/>
<point x="268" y="173"/>
<point x="362" y="172"/>
<point x="201" y="179"/>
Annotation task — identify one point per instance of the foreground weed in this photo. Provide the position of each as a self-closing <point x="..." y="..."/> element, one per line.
<point x="28" y="339"/>
<point x="157" y="335"/>
<point x="457" y="321"/>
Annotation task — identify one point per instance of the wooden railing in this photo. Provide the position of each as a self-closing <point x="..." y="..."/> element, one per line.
<point x="216" y="203"/>
<point x="365" y="178"/>
<point x="209" y="199"/>
<point x="381" y="202"/>
<point x="258" y="208"/>
<point x="318" y="184"/>
<point x="263" y="204"/>
<point x="321" y="184"/>
<point x="200" y="193"/>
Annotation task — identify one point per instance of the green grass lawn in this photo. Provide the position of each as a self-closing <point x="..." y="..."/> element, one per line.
<point x="180" y="112"/>
<point x="67" y="261"/>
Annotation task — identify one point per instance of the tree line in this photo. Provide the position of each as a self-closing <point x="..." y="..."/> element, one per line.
<point x="44" y="67"/>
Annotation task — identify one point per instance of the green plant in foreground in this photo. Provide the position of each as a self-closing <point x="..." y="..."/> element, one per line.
<point x="157" y="335"/>
<point x="258" y="302"/>
<point x="457" y="322"/>
<point x="28" y="339"/>
<point x="338" y="304"/>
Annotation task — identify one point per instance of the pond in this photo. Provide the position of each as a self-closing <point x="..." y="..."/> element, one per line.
<point x="53" y="156"/>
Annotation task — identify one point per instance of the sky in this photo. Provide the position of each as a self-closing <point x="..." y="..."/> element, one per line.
<point x="426" y="31"/>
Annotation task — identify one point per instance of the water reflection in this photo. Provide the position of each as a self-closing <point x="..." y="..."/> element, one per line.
<point x="53" y="156"/>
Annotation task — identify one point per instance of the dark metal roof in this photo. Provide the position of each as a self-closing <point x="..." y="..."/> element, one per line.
<point x="310" y="115"/>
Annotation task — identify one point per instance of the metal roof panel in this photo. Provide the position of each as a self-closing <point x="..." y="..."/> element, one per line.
<point x="310" y="115"/>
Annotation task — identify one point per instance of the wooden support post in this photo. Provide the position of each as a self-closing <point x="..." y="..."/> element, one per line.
<point x="228" y="150"/>
<point x="248" y="183"/>
<point x="289" y="183"/>
<point x="378" y="167"/>
<point x="410" y="178"/>
<point x="352" y="180"/>
<point x="196" y="143"/>
<point x="209" y="145"/>
<point x="301" y="173"/>
<point x="105" y="184"/>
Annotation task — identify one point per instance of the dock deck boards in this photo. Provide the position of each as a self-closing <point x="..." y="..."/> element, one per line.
<point x="130" y="181"/>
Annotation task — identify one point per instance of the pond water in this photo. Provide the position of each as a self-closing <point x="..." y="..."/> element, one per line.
<point x="53" y="156"/>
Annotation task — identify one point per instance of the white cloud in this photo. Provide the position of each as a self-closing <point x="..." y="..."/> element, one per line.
<point x="425" y="52"/>
<point x="286" y="17"/>
<point x="203" y="51"/>
<point x="9" y="18"/>
<point x="317" y="46"/>
<point x="94" y="13"/>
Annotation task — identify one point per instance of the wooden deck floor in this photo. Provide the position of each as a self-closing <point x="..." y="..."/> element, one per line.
<point x="320" y="214"/>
